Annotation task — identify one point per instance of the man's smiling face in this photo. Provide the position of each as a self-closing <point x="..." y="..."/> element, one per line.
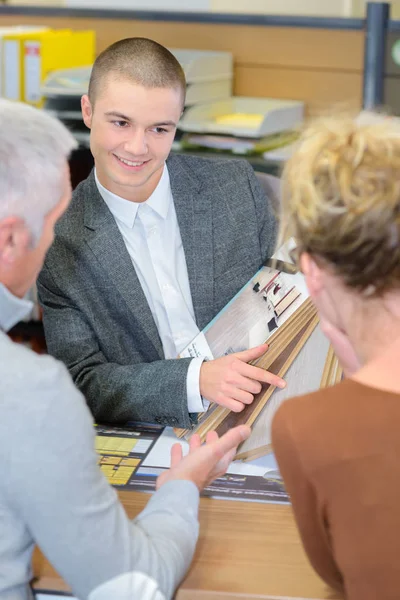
<point x="132" y="130"/>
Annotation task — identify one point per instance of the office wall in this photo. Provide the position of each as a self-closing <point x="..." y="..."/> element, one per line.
<point x="343" y="8"/>
<point x="359" y="8"/>
<point x="323" y="67"/>
<point x="284" y="7"/>
<point x="35" y="2"/>
<point x="323" y="8"/>
<point x="179" y="5"/>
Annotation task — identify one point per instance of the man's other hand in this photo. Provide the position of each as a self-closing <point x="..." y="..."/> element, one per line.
<point x="206" y="462"/>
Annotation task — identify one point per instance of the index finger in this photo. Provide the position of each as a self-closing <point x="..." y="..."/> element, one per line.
<point x="261" y="375"/>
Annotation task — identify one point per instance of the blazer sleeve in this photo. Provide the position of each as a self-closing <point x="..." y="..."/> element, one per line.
<point x="309" y="510"/>
<point x="267" y="223"/>
<point x="114" y="393"/>
<point x="57" y="490"/>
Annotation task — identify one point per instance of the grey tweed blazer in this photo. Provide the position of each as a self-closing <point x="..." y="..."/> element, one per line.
<point x="96" y="317"/>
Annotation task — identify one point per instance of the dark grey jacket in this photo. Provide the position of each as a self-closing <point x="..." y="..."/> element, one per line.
<point x="96" y="317"/>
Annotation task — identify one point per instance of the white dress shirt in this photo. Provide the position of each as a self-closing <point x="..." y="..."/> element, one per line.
<point x="151" y="234"/>
<point x="12" y="309"/>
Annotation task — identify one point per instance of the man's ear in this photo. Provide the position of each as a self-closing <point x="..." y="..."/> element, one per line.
<point x="312" y="273"/>
<point x="87" y="110"/>
<point x="15" y="239"/>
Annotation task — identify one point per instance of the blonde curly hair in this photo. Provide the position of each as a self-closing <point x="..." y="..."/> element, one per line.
<point x="341" y="199"/>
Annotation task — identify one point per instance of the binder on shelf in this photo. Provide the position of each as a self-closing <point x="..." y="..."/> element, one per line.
<point x="13" y="60"/>
<point x="13" y="50"/>
<point x="46" y="53"/>
<point x="28" y="58"/>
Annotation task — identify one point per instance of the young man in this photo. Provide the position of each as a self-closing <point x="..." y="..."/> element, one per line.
<point x="51" y="490"/>
<point x="149" y="251"/>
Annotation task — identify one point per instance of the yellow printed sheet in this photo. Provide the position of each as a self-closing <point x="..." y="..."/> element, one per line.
<point x="114" y="445"/>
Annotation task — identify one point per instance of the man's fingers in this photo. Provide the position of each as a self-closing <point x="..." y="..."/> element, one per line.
<point x="237" y="394"/>
<point x="230" y="403"/>
<point x="211" y="437"/>
<point x="252" y="353"/>
<point x="222" y="465"/>
<point x="260" y="375"/>
<point x="246" y="384"/>
<point x="176" y="454"/>
<point x="194" y="442"/>
<point x="230" y="441"/>
<point x="274" y="380"/>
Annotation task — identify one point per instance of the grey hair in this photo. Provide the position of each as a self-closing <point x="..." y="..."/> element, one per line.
<point x="34" y="148"/>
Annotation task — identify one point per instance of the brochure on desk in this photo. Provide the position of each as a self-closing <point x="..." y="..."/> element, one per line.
<point x="132" y="457"/>
<point x="255" y="481"/>
<point x="121" y="450"/>
<point x="251" y="317"/>
<point x="267" y="488"/>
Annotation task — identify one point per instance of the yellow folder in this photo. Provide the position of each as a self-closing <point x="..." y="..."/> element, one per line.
<point x="6" y="31"/>
<point x="13" y="61"/>
<point x="43" y="54"/>
<point x="28" y="57"/>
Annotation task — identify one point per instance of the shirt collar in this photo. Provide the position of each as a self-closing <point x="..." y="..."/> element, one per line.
<point x="126" y="211"/>
<point x="12" y="309"/>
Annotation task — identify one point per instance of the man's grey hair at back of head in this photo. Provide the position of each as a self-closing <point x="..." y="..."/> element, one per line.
<point x="34" y="147"/>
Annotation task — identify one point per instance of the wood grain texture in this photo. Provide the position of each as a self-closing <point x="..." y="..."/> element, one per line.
<point x="280" y="366"/>
<point x="333" y="372"/>
<point x="303" y="377"/>
<point x="244" y="550"/>
<point x="283" y="347"/>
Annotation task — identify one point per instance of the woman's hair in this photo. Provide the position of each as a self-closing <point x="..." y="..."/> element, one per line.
<point x="341" y="199"/>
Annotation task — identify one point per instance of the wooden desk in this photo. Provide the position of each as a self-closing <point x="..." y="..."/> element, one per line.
<point x="245" y="551"/>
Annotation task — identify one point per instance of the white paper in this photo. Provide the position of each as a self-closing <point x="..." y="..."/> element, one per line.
<point x="197" y="348"/>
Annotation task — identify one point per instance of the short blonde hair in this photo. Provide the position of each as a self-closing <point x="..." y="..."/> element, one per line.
<point x="341" y="199"/>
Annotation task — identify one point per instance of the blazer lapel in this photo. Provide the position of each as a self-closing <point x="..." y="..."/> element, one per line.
<point x="105" y="241"/>
<point x="194" y="213"/>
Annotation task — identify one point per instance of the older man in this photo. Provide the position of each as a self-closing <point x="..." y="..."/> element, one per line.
<point x="51" y="490"/>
